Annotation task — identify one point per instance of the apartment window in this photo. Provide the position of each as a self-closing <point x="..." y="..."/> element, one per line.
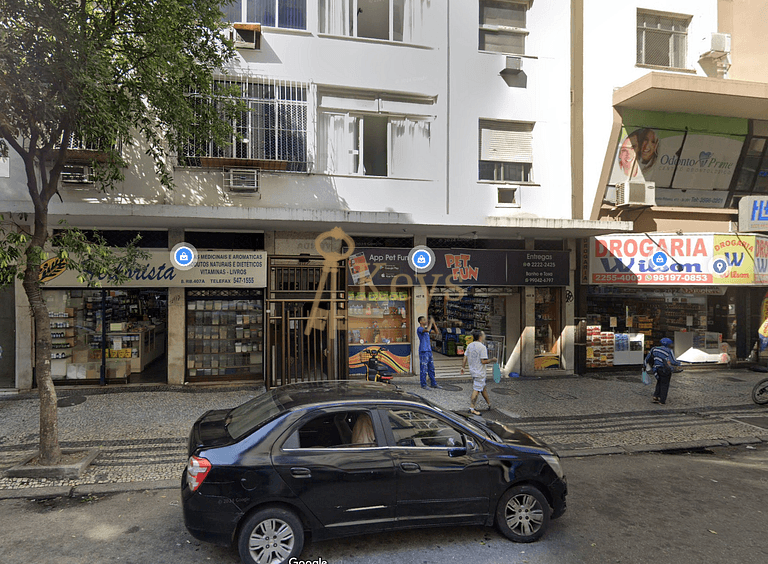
<point x="505" y="151"/>
<point x="502" y="26"/>
<point x="753" y="173"/>
<point x="662" y="39"/>
<point x="374" y="145"/>
<point x="272" y="128"/>
<point x="289" y="14"/>
<point x="390" y="20"/>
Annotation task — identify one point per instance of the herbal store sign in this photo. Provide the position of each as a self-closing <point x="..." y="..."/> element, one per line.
<point x="214" y="269"/>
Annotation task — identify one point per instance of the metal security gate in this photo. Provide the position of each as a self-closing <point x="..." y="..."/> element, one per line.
<point x="306" y="328"/>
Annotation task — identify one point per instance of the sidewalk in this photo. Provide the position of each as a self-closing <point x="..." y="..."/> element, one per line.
<point x="142" y="431"/>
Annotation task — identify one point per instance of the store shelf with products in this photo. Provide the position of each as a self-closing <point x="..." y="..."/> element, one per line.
<point x="380" y="321"/>
<point x="378" y="317"/>
<point x="225" y="335"/>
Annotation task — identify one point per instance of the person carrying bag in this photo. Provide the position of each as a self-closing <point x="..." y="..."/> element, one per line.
<point x="662" y="360"/>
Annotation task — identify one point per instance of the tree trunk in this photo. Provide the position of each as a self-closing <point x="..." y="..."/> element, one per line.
<point x="50" y="450"/>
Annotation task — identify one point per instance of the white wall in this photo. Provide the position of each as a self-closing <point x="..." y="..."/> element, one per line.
<point x="476" y="91"/>
<point x="610" y="53"/>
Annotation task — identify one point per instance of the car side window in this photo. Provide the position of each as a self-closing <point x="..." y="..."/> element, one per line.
<point x="415" y="428"/>
<point x="344" y="429"/>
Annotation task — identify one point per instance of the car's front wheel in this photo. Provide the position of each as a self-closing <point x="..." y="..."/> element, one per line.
<point x="523" y="514"/>
<point x="271" y="536"/>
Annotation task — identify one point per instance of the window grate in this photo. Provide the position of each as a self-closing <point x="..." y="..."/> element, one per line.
<point x="662" y="40"/>
<point x="273" y="128"/>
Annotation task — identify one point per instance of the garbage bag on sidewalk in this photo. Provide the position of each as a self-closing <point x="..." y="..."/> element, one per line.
<point x="645" y="377"/>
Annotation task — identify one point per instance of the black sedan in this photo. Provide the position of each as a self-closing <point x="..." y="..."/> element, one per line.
<point x="331" y="459"/>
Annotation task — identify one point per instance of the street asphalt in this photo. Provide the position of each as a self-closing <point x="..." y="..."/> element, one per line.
<point x="140" y="431"/>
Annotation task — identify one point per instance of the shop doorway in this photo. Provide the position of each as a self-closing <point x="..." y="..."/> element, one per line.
<point x="7" y="338"/>
<point x="496" y="311"/>
<point x="305" y="346"/>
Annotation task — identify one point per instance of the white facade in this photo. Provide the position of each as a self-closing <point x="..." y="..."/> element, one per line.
<point x="432" y="101"/>
<point x="610" y="62"/>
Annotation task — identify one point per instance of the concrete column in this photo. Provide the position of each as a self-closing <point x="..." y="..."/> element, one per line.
<point x="567" y="337"/>
<point x="176" y="322"/>
<point x="420" y="307"/>
<point x="528" y="336"/>
<point x="25" y="350"/>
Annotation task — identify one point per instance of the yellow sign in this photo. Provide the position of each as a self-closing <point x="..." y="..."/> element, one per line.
<point x="733" y="260"/>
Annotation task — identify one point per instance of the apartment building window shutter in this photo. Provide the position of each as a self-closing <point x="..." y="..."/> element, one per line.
<point x="509" y="142"/>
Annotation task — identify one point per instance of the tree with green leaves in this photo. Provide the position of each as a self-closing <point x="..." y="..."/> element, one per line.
<point x="96" y="74"/>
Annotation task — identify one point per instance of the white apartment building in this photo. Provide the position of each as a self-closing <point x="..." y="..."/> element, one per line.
<point x="442" y="123"/>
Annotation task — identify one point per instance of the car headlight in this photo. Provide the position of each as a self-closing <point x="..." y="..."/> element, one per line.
<point x="554" y="463"/>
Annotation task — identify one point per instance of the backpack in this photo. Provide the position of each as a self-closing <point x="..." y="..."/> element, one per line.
<point x="662" y="370"/>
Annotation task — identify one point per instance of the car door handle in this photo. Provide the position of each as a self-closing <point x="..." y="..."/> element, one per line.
<point x="410" y="466"/>
<point x="301" y="473"/>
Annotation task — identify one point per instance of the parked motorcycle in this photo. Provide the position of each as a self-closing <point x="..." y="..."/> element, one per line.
<point x="760" y="392"/>
<point x="375" y="370"/>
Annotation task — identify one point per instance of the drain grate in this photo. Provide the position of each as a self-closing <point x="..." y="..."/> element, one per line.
<point x="452" y="387"/>
<point x="69" y="401"/>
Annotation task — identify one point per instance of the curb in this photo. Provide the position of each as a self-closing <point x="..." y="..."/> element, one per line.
<point x="88" y="489"/>
<point x="663" y="447"/>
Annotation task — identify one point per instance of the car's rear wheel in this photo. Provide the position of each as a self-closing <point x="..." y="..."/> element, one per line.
<point x="523" y="514"/>
<point x="271" y="536"/>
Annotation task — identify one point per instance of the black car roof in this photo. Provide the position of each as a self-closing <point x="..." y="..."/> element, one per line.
<point x="334" y="392"/>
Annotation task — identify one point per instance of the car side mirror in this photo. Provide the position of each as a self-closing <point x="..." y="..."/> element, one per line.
<point x="457" y="451"/>
<point x="470" y="444"/>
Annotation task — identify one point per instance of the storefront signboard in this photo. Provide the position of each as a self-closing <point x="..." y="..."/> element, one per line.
<point x="753" y="214"/>
<point x="678" y="152"/>
<point x="462" y="267"/>
<point x="214" y="269"/>
<point x="661" y="259"/>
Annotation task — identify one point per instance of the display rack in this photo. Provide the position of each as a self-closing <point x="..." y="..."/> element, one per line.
<point x="225" y="335"/>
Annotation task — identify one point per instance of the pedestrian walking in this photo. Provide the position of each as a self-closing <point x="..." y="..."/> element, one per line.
<point x="662" y="360"/>
<point x="476" y="356"/>
<point x="426" y="362"/>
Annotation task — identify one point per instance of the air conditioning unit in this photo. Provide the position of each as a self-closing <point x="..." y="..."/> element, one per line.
<point x="636" y="193"/>
<point x="513" y="65"/>
<point x="76" y="174"/>
<point x="720" y="42"/>
<point x="242" y="181"/>
<point x="245" y="35"/>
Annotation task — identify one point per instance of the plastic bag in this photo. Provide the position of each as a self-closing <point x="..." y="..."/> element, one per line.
<point x="645" y="377"/>
<point x="496" y="372"/>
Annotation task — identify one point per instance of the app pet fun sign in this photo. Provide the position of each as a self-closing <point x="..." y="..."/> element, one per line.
<point x="663" y="259"/>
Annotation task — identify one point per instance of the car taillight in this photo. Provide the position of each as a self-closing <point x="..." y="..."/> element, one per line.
<point x="197" y="470"/>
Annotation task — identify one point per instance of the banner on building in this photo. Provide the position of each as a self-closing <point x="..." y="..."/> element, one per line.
<point x="214" y="269"/>
<point x="461" y="267"/>
<point x="678" y="152"/>
<point x="712" y="259"/>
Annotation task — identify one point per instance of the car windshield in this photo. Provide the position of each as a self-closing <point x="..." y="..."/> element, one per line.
<point x="253" y="414"/>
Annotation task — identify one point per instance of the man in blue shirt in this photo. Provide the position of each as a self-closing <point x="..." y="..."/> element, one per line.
<point x="662" y="359"/>
<point x="426" y="363"/>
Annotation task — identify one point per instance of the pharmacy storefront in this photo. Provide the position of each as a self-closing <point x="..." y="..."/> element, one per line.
<point x="703" y="290"/>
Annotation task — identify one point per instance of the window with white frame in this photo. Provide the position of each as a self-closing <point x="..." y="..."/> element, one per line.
<point x="374" y="134"/>
<point x="273" y="127"/>
<point x="502" y="26"/>
<point x="289" y="14"/>
<point x="505" y="151"/>
<point x="390" y="20"/>
<point x="374" y="145"/>
<point x="662" y="39"/>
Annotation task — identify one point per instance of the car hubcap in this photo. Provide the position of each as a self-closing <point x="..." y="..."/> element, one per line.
<point x="271" y="542"/>
<point x="524" y="515"/>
